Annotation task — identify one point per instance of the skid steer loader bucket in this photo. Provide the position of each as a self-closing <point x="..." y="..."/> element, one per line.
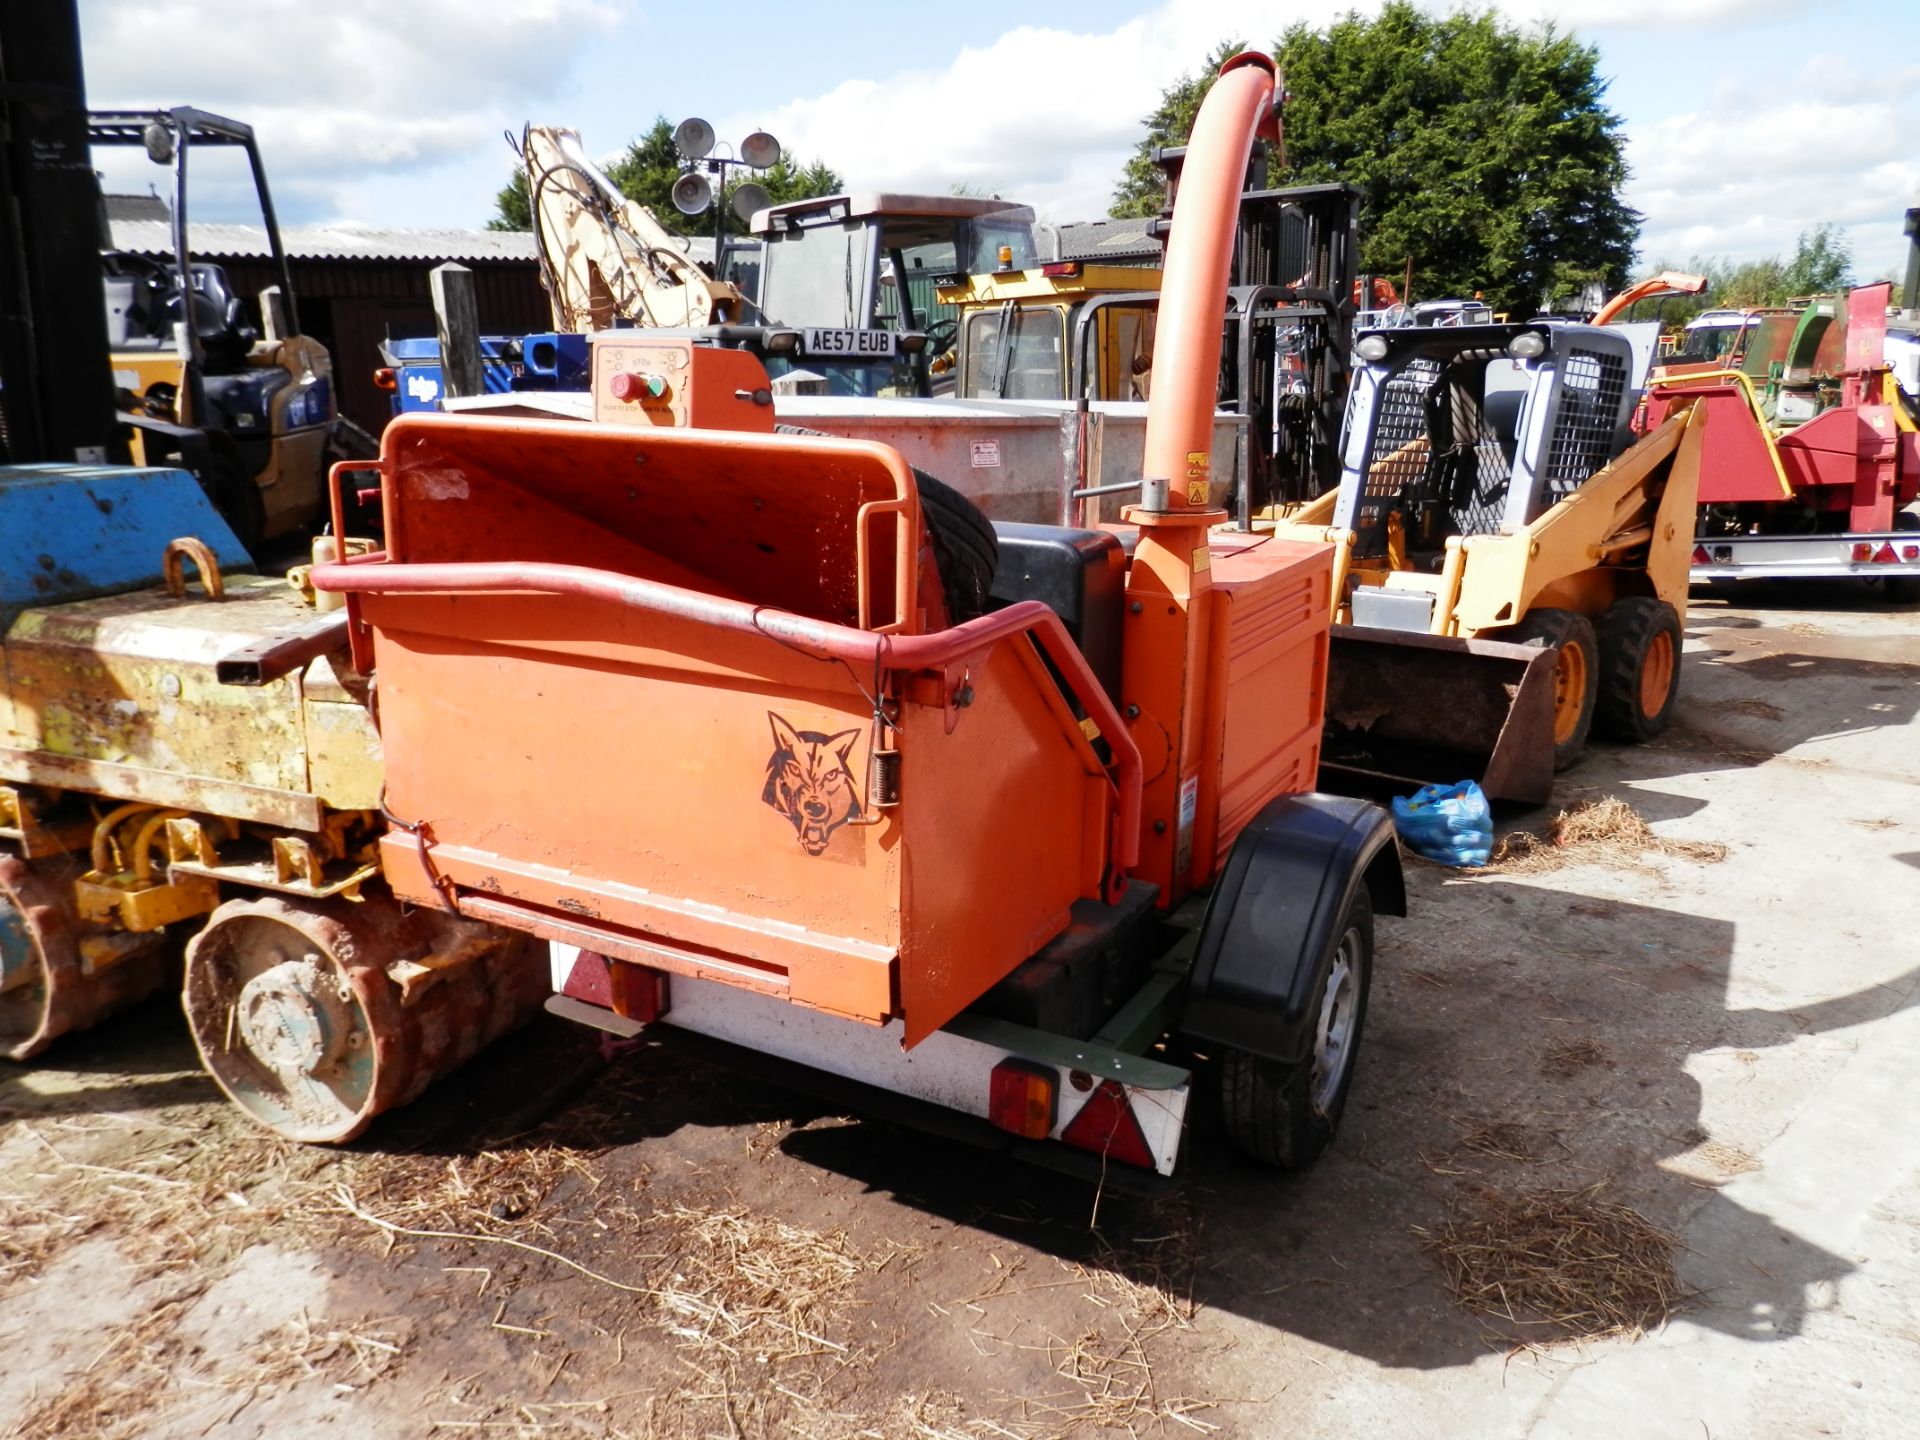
<point x="1411" y="709"/>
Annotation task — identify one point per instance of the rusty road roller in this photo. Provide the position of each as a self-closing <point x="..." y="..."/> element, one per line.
<point x="190" y="778"/>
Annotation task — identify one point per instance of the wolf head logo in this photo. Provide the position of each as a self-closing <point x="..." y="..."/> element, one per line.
<point x="810" y="782"/>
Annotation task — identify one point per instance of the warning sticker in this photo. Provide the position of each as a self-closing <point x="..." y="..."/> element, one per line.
<point x="1189" y="807"/>
<point x="1196" y="492"/>
<point x="1202" y="559"/>
<point x="984" y="454"/>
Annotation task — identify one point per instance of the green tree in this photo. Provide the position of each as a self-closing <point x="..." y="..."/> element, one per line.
<point x="1142" y="191"/>
<point x="513" y="210"/>
<point x="1822" y="262"/>
<point x="1485" y="153"/>
<point x="646" y="173"/>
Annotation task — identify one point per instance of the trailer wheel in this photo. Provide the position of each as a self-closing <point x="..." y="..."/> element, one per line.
<point x="1639" y="669"/>
<point x="964" y="545"/>
<point x="1285" y="1115"/>
<point x="1576" y="675"/>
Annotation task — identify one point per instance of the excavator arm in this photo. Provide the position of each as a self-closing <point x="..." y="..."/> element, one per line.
<point x="605" y="258"/>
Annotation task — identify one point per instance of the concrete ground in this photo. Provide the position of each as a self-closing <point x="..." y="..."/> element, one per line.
<point x="1730" y="1048"/>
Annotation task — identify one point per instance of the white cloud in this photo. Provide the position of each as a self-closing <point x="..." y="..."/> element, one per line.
<point x="1770" y="155"/>
<point x="339" y="90"/>
<point x="1041" y="115"/>
<point x="365" y="109"/>
<point x="1636" y="14"/>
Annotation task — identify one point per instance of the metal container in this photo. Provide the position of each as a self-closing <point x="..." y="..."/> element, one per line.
<point x="1016" y="460"/>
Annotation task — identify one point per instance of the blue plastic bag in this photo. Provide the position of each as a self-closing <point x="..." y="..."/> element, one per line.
<point x="1452" y="824"/>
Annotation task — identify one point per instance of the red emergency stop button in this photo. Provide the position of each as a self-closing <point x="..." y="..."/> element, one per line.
<point x="632" y="385"/>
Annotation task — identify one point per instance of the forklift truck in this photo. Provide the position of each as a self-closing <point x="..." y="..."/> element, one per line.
<point x="248" y="407"/>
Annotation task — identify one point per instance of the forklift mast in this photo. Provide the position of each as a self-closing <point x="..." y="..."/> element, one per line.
<point x="56" y="382"/>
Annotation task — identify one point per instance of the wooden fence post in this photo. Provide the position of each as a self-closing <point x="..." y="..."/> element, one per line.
<point x="458" y="322"/>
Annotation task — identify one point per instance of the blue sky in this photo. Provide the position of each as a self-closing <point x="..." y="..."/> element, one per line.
<point x="1747" y="120"/>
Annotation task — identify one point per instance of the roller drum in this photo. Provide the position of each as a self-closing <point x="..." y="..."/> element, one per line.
<point x="47" y="989"/>
<point x="315" y="1017"/>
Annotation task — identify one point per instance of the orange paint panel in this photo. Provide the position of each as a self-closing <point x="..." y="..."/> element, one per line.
<point x="662" y="749"/>
<point x="1267" y="678"/>
<point x="767" y="518"/>
<point x="616" y="773"/>
<point x="734" y="946"/>
<point x="987" y="885"/>
<point x="697" y="385"/>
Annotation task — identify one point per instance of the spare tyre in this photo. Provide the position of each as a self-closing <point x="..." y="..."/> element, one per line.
<point x="964" y="546"/>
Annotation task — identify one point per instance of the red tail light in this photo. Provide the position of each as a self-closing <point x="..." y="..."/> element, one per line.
<point x="1107" y="1126"/>
<point x="1863" y="551"/>
<point x="1023" y="1098"/>
<point x="1885" y="556"/>
<point x="1062" y="270"/>
<point x="1910" y="552"/>
<point x="1700" y="556"/>
<point x="383" y="379"/>
<point x="638" y="992"/>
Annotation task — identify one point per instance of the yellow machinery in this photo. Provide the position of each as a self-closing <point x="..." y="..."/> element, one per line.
<point x="1508" y="574"/>
<point x="248" y="408"/>
<point x="1017" y="332"/>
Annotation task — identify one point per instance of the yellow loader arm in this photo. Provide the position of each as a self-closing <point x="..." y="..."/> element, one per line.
<point x="605" y="258"/>
<point x="1638" y="512"/>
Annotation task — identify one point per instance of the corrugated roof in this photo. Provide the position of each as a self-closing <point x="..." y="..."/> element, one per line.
<point x="328" y="242"/>
<point x="136" y="207"/>
<point x="1109" y="240"/>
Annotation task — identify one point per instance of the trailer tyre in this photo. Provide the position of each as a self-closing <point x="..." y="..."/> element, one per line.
<point x="964" y="545"/>
<point x="1576" y="675"/>
<point x="1639" y="669"/>
<point x="1284" y="1115"/>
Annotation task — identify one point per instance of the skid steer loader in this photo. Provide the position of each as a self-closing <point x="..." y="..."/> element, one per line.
<point x="1509" y="575"/>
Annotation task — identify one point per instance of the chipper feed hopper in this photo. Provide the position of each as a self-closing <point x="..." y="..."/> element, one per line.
<point x="1811" y="459"/>
<point x="1508" y="574"/>
<point x="693" y="702"/>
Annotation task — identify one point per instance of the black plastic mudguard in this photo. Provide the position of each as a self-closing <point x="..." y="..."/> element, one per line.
<point x="1274" y="912"/>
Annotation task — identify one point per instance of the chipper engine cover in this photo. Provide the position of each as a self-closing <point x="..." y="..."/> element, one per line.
<point x="671" y="696"/>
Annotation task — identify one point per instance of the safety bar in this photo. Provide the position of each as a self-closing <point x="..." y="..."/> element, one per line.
<point x="837" y="642"/>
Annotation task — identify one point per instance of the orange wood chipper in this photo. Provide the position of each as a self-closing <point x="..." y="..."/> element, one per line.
<point x="701" y="705"/>
<point x="761" y="737"/>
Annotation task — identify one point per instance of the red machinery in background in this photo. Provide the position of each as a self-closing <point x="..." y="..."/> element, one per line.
<point x="1811" y="462"/>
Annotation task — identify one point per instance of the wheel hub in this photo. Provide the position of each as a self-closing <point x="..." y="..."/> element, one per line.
<point x="295" y="1016"/>
<point x="1656" y="674"/>
<point x="1569" y="691"/>
<point x="1333" y="1035"/>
